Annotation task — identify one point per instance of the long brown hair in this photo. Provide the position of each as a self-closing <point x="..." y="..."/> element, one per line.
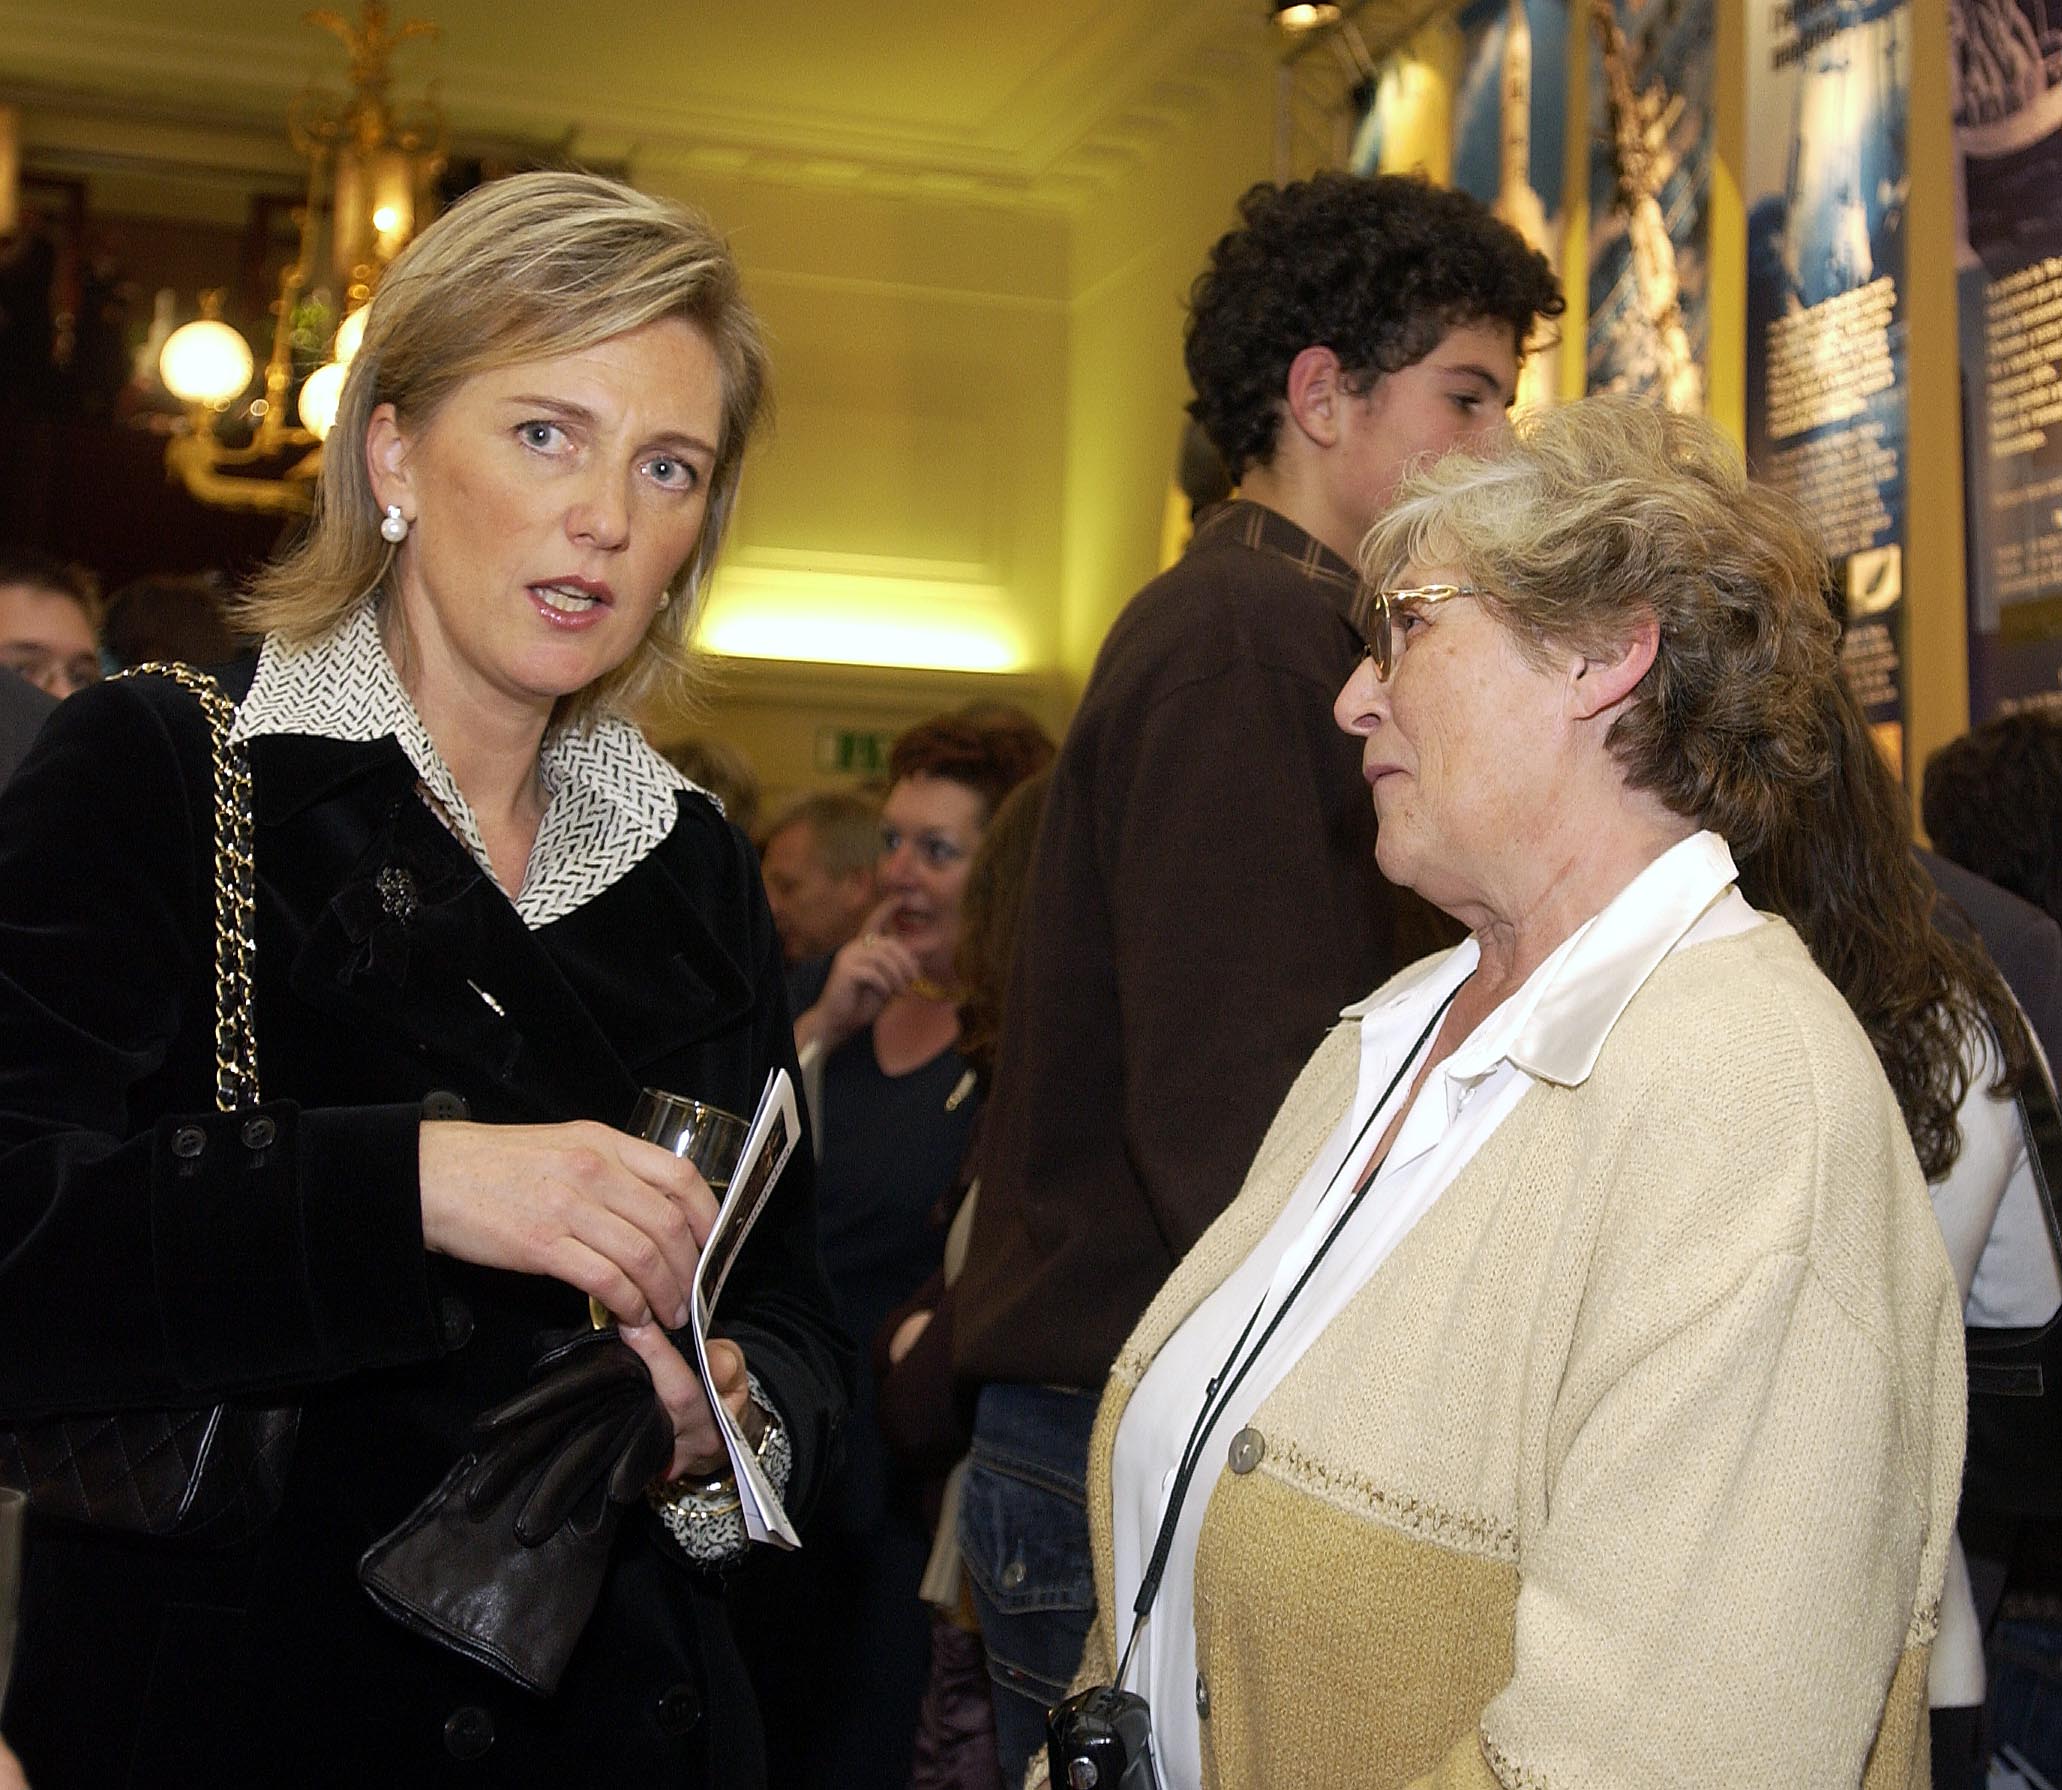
<point x="1839" y="867"/>
<point x="989" y="911"/>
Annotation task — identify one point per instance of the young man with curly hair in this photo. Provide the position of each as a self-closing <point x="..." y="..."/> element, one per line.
<point x="1204" y="897"/>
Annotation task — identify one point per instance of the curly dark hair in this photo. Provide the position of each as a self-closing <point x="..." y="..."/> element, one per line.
<point x="989" y="758"/>
<point x="1839" y="867"/>
<point x="1377" y="268"/>
<point x="1993" y="803"/>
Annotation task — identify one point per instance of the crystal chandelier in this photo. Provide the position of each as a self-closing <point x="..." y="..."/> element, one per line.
<point x="371" y="174"/>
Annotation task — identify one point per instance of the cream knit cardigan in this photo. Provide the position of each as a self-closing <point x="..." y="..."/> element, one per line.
<point x="1634" y="1465"/>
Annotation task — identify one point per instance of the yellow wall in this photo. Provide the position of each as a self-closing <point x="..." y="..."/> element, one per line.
<point x="914" y="467"/>
<point x="1725" y="370"/>
<point x="905" y="498"/>
<point x="978" y="418"/>
<point x="1936" y="641"/>
<point x="1135" y="253"/>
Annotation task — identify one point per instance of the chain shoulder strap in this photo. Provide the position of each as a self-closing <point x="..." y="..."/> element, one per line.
<point x="236" y="1050"/>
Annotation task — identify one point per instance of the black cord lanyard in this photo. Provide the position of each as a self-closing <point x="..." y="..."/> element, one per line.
<point x="1214" y="1404"/>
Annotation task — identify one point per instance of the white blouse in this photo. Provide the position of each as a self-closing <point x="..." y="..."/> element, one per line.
<point x="2004" y="1262"/>
<point x="1551" y="1029"/>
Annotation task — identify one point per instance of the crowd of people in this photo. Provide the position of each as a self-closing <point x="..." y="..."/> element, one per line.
<point x="1399" y="1207"/>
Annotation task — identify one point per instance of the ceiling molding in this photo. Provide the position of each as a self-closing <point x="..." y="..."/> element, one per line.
<point x="1088" y="115"/>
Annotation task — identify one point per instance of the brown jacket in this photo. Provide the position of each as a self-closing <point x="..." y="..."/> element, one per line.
<point x="1203" y="901"/>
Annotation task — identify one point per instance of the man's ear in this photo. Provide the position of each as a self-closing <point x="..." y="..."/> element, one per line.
<point x="1315" y="395"/>
<point x="387" y="461"/>
<point x="1603" y="680"/>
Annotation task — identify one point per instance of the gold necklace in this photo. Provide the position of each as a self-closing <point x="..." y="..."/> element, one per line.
<point x="926" y="990"/>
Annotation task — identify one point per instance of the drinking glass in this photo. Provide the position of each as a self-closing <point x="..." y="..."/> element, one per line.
<point x="13" y="1508"/>
<point x="705" y="1135"/>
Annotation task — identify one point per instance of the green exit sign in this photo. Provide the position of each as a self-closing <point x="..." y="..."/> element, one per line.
<point x="858" y="750"/>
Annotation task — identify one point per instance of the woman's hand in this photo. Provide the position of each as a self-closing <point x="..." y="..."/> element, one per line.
<point x="698" y="1448"/>
<point x="620" y="1219"/>
<point x="867" y="973"/>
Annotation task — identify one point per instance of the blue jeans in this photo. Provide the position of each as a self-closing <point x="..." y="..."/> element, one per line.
<point x="2025" y="1659"/>
<point x="1023" y="1530"/>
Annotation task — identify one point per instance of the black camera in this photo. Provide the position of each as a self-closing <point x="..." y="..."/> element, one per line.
<point x="1100" y="1740"/>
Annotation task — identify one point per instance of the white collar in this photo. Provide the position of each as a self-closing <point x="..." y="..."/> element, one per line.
<point x="610" y="798"/>
<point x="1555" y="1026"/>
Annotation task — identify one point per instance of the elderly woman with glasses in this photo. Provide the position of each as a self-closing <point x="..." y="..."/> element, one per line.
<point x="1573" y="1396"/>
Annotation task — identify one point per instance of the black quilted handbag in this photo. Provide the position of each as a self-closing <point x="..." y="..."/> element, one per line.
<point x="209" y="1475"/>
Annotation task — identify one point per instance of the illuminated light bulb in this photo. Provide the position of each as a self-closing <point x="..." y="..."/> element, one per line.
<point x="387" y="219"/>
<point x="349" y="334"/>
<point x="1306" y="15"/>
<point x="205" y="363"/>
<point x="319" y="395"/>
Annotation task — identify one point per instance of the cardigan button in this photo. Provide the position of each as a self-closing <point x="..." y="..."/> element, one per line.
<point x="1202" y="1698"/>
<point x="188" y="1142"/>
<point x="258" y="1134"/>
<point x="441" y="1103"/>
<point x="469" y="1732"/>
<point x="1247" y="1448"/>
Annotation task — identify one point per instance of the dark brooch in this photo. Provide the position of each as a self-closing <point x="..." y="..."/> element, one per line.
<point x="396" y="893"/>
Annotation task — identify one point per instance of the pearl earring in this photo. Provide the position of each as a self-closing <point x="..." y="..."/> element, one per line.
<point x="394" y="528"/>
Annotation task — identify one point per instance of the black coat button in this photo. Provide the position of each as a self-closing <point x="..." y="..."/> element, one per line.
<point x="469" y="1732"/>
<point x="441" y="1103"/>
<point x="454" y="1321"/>
<point x="677" y="1710"/>
<point x="258" y="1133"/>
<point x="188" y="1142"/>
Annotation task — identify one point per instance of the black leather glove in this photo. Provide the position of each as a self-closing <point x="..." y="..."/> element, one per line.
<point x="504" y="1561"/>
<point x="591" y="1418"/>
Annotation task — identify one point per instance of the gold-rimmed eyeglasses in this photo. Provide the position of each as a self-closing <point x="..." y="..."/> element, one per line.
<point x="1378" y="617"/>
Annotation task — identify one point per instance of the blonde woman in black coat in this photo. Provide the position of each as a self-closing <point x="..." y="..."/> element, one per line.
<point x="486" y="915"/>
